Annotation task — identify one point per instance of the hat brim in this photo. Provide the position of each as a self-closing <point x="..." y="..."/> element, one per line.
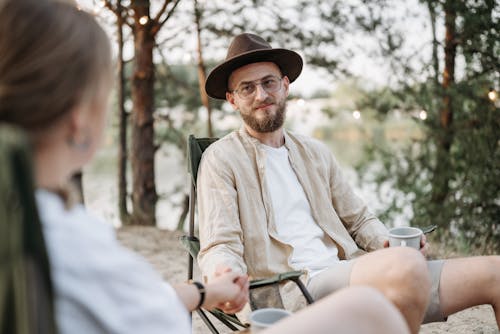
<point x="289" y="62"/>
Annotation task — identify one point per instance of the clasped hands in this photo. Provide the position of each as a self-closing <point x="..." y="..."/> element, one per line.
<point x="227" y="291"/>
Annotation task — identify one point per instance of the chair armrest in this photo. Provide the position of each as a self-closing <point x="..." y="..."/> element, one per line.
<point x="282" y="277"/>
<point x="191" y="244"/>
<point x="278" y="278"/>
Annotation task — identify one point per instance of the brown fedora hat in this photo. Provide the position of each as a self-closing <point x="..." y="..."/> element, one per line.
<point x="246" y="49"/>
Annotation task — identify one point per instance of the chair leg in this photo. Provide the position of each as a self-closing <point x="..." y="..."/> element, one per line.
<point x="192" y="201"/>
<point x="302" y="288"/>
<point x="227" y="322"/>
<point x="190" y="267"/>
<point x="207" y="321"/>
<point x="190" y="276"/>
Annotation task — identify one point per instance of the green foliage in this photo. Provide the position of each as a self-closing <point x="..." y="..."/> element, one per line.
<point x="469" y="215"/>
<point x="316" y="28"/>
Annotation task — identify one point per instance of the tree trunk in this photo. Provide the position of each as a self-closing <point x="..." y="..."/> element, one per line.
<point x="431" y="6"/>
<point x="450" y="50"/>
<point x="144" y="195"/>
<point x="122" y="152"/>
<point x="441" y="178"/>
<point x="201" y="70"/>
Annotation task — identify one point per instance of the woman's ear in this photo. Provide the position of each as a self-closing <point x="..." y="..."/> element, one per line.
<point x="78" y="135"/>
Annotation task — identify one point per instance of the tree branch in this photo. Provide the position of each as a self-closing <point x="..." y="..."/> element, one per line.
<point x="162" y="10"/>
<point x="160" y="24"/>
<point x="115" y="10"/>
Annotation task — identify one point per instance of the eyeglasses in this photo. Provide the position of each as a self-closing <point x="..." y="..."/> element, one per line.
<point x="270" y="84"/>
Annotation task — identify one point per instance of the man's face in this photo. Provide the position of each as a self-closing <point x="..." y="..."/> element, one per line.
<point x="264" y="109"/>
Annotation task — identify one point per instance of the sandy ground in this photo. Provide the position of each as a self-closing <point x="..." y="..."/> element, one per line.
<point x="163" y="250"/>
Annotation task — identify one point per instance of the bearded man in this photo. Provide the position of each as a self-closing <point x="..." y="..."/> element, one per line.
<point x="271" y="201"/>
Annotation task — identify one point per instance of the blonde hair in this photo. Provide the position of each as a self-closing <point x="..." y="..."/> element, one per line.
<point x="52" y="55"/>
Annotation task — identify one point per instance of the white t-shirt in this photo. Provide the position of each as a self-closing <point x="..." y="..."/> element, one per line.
<point x="100" y="286"/>
<point x="312" y="249"/>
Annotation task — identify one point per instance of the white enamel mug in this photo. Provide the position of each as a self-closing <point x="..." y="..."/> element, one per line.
<point x="405" y="236"/>
<point x="266" y="317"/>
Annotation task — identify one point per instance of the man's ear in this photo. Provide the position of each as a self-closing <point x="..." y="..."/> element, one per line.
<point x="286" y="84"/>
<point x="230" y="99"/>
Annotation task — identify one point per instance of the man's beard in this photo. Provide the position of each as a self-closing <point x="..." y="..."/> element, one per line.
<point x="270" y="122"/>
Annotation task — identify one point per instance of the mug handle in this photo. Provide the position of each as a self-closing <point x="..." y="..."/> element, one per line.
<point x="403" y="243"/>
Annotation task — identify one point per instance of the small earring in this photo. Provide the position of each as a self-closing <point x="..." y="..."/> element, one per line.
<point x="80" y="145"/>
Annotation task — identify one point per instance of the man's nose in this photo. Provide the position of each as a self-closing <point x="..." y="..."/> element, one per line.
<point x="260" y="92"/>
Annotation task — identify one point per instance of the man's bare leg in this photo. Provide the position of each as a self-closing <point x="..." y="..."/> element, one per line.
<point x="467" y="282"/>
<point x="401" y="274"/>
<point x="351" y="310"/>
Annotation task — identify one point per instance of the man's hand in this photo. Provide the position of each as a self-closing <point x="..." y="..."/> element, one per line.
<point x="227" y="291"/>
<point x="423" y="245"/>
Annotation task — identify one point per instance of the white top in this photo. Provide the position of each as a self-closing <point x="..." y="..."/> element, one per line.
<point x="100" y="286"/>
<point x="312" y="249"/>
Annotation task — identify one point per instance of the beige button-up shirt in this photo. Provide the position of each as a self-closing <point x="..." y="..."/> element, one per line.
<point x="237" y="227"/>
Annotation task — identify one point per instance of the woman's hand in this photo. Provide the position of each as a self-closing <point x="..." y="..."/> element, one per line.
<point x="227" y="291"/>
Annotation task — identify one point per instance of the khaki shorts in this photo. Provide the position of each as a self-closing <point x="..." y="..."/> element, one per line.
<point x="338" y="276"/>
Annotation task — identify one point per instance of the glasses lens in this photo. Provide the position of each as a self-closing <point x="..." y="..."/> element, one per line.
<point x="246" y="90"/>
<point x="270" y="85"/>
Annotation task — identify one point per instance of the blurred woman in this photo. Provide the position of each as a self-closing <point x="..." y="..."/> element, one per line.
<point x="55" y="81"/>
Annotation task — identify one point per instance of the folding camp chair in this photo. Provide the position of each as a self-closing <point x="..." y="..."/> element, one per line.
<point x="26" y="297"/>
<point x="264" y="292"/>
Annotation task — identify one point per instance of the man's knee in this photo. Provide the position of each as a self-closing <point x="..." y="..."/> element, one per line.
<point x="408" y="277"/>
<point x="407" y="265"/>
